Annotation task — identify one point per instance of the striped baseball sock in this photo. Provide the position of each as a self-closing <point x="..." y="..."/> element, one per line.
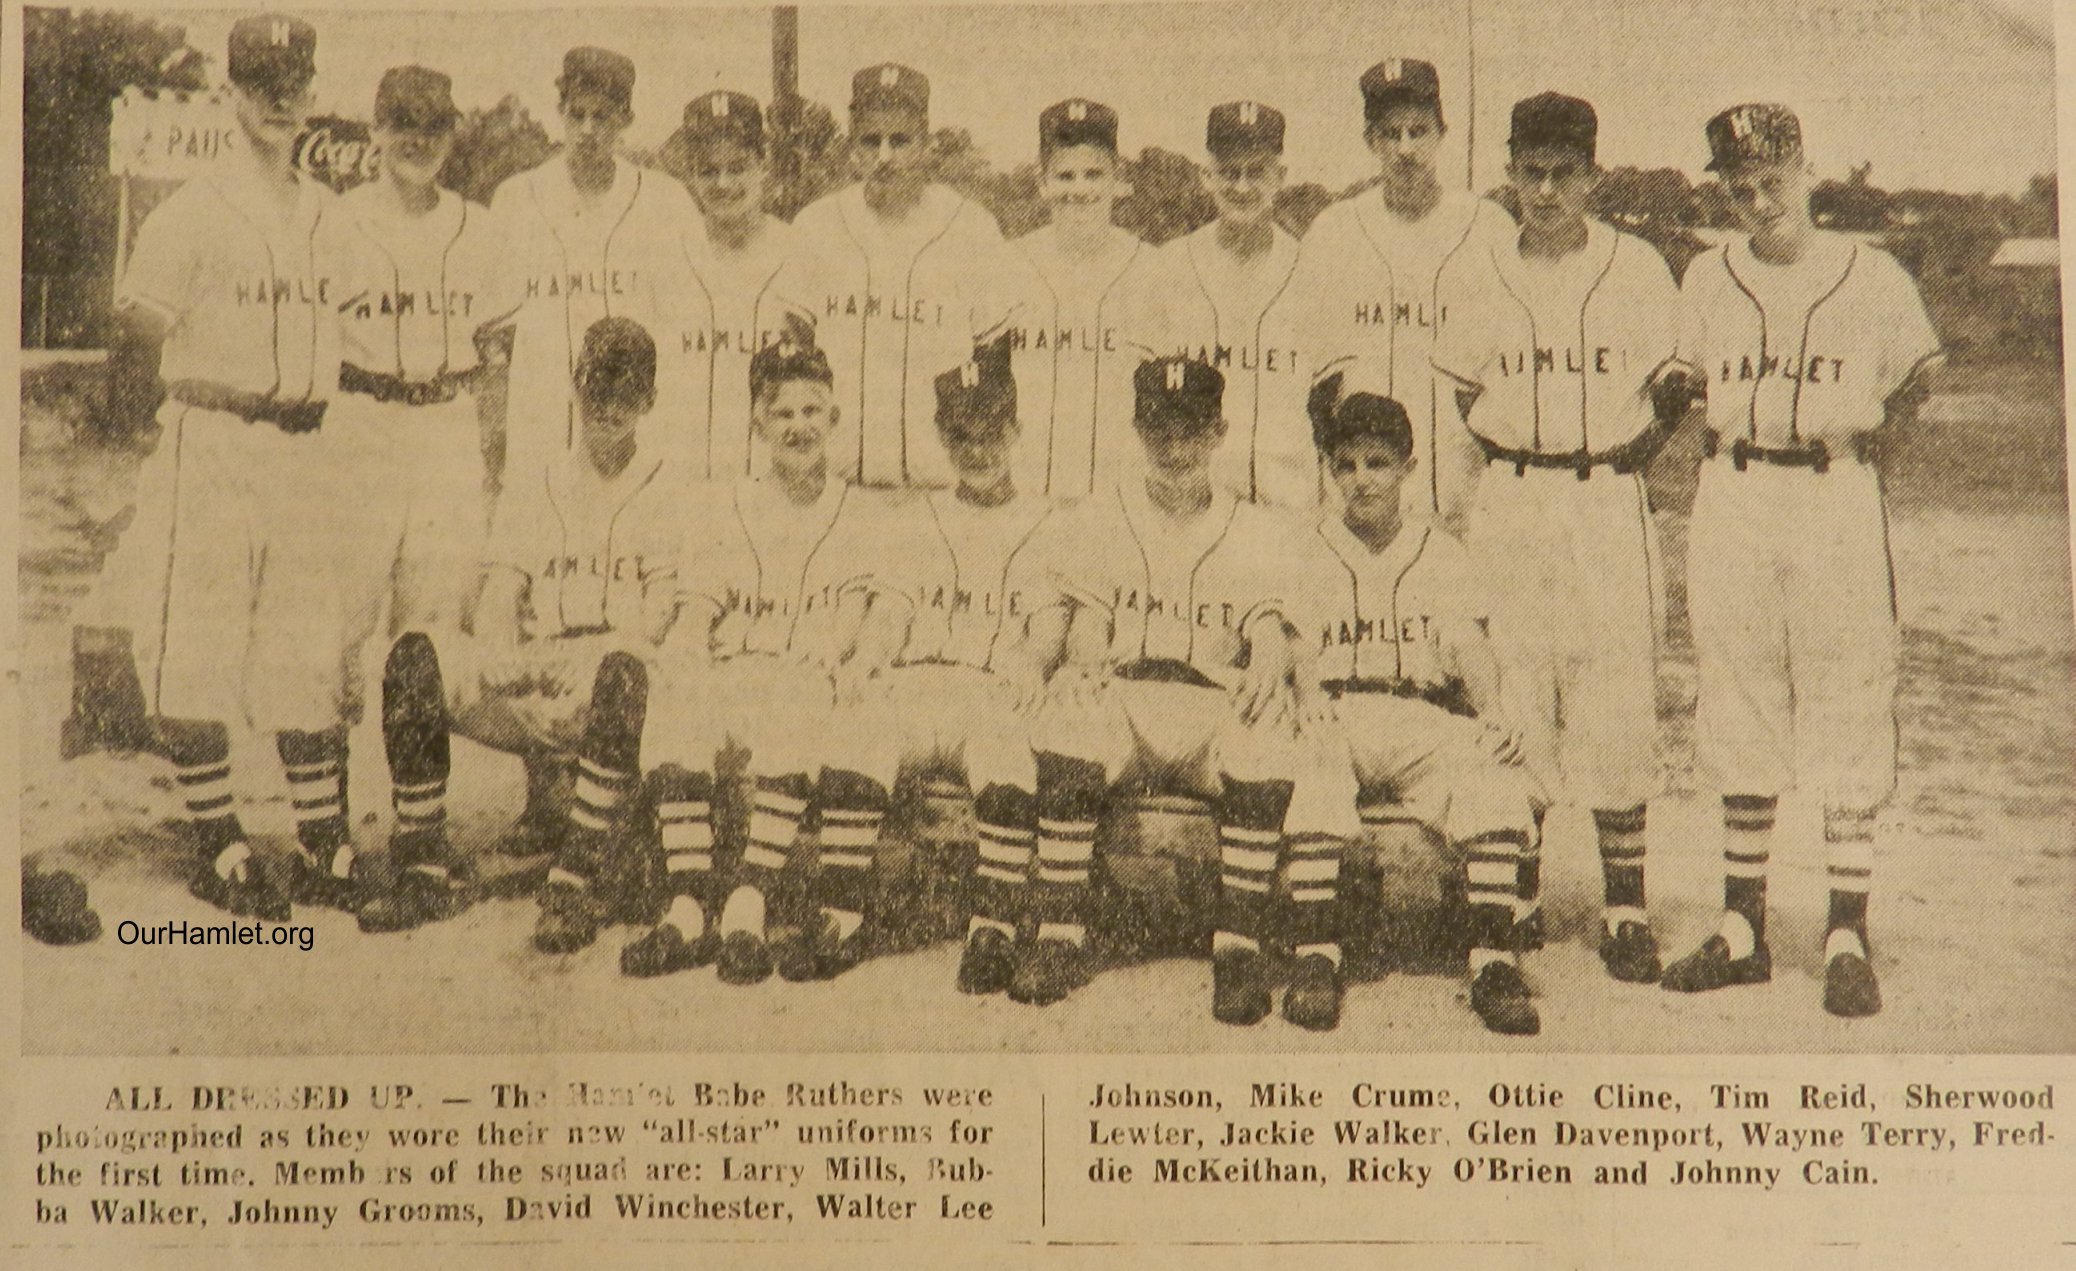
<point x="1006" y="819"/>
<point x="1492" y="885"/>
<point x="608" y="769"/>
<point x="1069" y="802"/>
<point x="777" y="807"/>
<point x="853" y="808"/>
<point x="1530" y="892"/>
<point x="1621" y="834"/>
<point x="1250" y="845"/>
<point x="1314" y="872"/>
<point x="1747" y="842"/>
<point x="684" y="802"/>
<point x="1849" y="846"/>
<point x="316" y="766"/>
<point x="417" y="744"/>
<point x="201" y="755"/>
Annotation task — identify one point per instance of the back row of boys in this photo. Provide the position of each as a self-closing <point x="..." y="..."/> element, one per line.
<point x="1171" y="579"/>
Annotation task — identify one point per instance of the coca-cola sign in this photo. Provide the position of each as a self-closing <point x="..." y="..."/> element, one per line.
<point x="171" y="135"/>
<point x="338" y="152"/>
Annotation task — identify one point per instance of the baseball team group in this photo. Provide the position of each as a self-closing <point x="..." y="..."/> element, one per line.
<point x="1287" y="525"/>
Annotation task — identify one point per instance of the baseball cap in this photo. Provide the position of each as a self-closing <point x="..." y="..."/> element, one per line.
<point x="1179" y="390"/>
<point x="272" y="51"/>
<point x="618" y="361"/>
<point x="601" y="71"/>
<point x="1553" y="119"/>
<point x="1077" y="121"/>
<point x="793" y="356"/>
<point x="722" y="116"/>
<point x="977" y="399"/>
<point x="1243" y="125"/>
<point x="1349" y="401"/>
<point x="1756" y="132"/>
<point x="1396" y="81"/>
<point x="890" y="85"/>
<point x="415" y="99"/>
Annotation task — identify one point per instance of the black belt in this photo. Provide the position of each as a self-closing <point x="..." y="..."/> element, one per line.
<point x="1624" y="461"/>
<point x="1814" y="455"/>
<point x="1166" y="671"/>
<point x="254" y="408"/>
<point x="444" y="387"/>
<point x="1449" y="696"/>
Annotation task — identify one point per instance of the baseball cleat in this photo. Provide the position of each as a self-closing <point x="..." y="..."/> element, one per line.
<point x="744" y="959"/>
<point x="55" y="909"/>
<point x="1313" y="998"/>
<point x="988" y="964"/>
<point x="569" y="918"/>
<point x="1711" y="967"/>
<point x="245" y="892"/>
<point x="664" y="950"/>
<point x="1630" y="953"/>
<point x="1850" y="989"/>
<point x="1240" y="986"/>
<point x="1501" y="999"/>
<point x="1048" y="971"/>
<point x="318" y="881"/>
<point x="818" y="952"/>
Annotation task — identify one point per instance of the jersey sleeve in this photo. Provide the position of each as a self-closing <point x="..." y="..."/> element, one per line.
<point x="1698" y="291"/>
<point x="481" y="260"/>
<point x="1908" y="340"/>
<point x="1654" y="313"/>
<point x="1463" y="344"/>
<point x="518" y="535"/>
<point x="160" y="275"/>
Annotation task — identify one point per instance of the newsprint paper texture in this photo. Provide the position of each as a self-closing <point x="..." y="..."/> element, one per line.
<point x="1432" y="634"/>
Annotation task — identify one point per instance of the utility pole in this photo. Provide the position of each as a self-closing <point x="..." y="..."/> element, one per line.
<point x="785" y="104"/>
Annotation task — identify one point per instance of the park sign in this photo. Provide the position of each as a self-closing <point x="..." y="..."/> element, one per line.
<point x="170" y="135"/>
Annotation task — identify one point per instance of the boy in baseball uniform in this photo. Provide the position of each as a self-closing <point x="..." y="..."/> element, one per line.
<point x="581" y="588"/>
<point x="782" y="572"/>
<point x="1179" y="673"/>
<point x="1555" y="340"/>
<point x="1809" y="348"/>
<point x="971" y="667"/>
<point x="903" y="277"/>
<point x="1391" y="620"/>
<point x="419" y="269"/>
<point x="225" y="316"/>
<point x="741" y="255"/>
<point x="589" y="235"/>
<point x="1371" y="270"/>
<point x="1083" y="304"/>
<point x="1223" y="296"/>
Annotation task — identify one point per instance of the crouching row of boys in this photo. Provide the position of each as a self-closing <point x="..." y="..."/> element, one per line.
<point x="1161" y="632"/>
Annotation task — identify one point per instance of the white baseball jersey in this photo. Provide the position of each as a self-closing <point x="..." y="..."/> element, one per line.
<point x="1175" y="590"/>
<point x="771" y="574"/>
<point x="243" y="283"/>
<point x="1394" y="617"/>
<point x="1804" y="351"/>
<point x="975" y="575"/>
<point x="736" y="306"/>
<point x="895" y="305"/>
<point x="1080" y="334"/>
<point x="572" y="259"/>
<point x="1242" y="318"/>
<point x="416" y="287"/>
<point x="599" y="553"/>
<point x="1562" y="349"/>
<point x="1372" y="283"/>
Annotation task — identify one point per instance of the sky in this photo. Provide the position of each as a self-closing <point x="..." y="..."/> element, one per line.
<point x="1954" y="94"/>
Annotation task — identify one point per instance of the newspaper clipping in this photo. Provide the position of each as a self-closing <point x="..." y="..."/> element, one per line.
<point x="1057" y="634"/>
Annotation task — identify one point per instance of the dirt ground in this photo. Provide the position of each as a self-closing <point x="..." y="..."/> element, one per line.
<point x="1974" y="907"/>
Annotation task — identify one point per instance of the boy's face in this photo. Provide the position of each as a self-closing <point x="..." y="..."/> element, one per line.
<point x="1405" y="139"/>
<point x="1081" y="183"/>
<point x="1368" y="474"/>
<point x="1556" y="185"/>
<point x="1769" y="196"/>
<point x="1244" y="185"/>
<point x="1177" y="447"/>
<point x="890" y="150"/>
<point x="795" y="418"/>
<point x="610" y="418"/>
<point x="592" y="122"/>
<point x="726" y="179"/>
<point x="414" y="156"/>
<point x="980" y="451"/>
<point x="272" y="115"/>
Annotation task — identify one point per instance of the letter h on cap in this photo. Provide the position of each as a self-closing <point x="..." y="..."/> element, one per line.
<point x="1177" y="376"/>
